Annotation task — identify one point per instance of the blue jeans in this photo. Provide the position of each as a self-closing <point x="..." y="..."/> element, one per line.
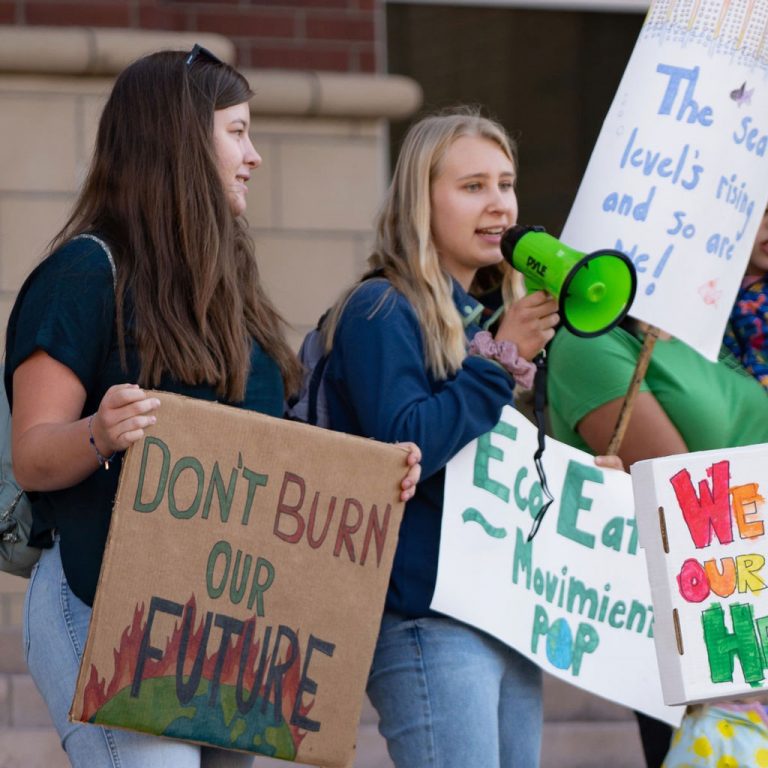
<point x="451" y="696"/>
<point x="55" y="629"/>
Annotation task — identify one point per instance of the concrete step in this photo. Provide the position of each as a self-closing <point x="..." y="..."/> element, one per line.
<point x="580" y="730"/>
<point x="563" y="702"/>
<point x="21" y="705"/>
<point x="11" y="651"/>
<point x="566" y="745"/>
<point x="31" y="748"/>
<point x="591" y="744"/>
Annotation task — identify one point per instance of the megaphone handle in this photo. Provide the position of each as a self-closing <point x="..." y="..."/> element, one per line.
<point x="530" y="285"/>
<point x="651" y="335"/>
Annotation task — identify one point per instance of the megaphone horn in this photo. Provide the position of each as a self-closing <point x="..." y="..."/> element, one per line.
<point x="594" y="290"/>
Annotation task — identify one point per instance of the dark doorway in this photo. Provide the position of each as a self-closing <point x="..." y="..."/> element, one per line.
<point x="548" y="76"/>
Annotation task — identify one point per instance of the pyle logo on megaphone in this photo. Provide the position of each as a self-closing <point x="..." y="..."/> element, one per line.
<point x="536" y="266"/>
<point x="594" y="290"/>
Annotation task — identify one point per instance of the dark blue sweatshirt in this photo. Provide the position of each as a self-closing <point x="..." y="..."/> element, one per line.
<point x="378" y="385"/>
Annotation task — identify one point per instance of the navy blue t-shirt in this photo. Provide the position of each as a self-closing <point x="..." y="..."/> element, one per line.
<point x="66" y="307"/>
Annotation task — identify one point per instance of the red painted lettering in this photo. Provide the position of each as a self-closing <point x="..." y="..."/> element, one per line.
<point x="708" y="511"/>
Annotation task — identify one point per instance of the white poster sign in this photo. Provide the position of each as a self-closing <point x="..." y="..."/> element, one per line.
<point x="575" y="600"/>
<point x="678" y="179"/>
<point x="702" y="525"/>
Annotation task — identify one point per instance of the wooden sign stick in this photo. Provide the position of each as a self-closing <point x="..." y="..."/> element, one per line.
<point x="651" y="335"/>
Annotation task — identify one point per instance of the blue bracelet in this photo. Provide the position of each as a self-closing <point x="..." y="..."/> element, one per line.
<point x="103" y="460"/>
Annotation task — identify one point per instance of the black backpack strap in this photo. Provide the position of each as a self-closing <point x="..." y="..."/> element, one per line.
<point x="539" y="403"/>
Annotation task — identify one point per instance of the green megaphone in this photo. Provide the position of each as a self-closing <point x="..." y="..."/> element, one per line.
<point x="594" y="291"/>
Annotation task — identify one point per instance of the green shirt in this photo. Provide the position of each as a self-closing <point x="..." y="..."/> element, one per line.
<point x="713" y="405"/>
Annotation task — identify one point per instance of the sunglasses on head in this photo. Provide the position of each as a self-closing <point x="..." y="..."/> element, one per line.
<point x="198" y="53"/>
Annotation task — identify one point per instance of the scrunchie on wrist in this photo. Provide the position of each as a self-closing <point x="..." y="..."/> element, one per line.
<point x="505" y="353"/>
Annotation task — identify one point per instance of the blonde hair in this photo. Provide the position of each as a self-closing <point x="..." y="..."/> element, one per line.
<point x="404" y="252"/>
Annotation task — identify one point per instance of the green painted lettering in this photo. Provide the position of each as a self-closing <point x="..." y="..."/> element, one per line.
<point x="761" y="625"/>
<point x="618" y="609"/>
<point x="224" y="497"/>
<point x="184" y="463"/>
<point x="586" y="641"/>
<point x="577" y="590"/>
<point x="219" y="548"/>
<point x="522" y="560"/>
<point x="723" y="646"/>
<point x="637" y="611"/>
<point x="254" y="479"/>
<point x="632" y="525"/>
<point x="572" y="502"/>
<point x="151" y="506"/>
<point x="520" y="500"/>
<point x="487" y="451"/>
<point x="260" y="586"/>
<point x="613" y="533"/>
<point x="237" y="591"/>
<point x="540" y="626"/>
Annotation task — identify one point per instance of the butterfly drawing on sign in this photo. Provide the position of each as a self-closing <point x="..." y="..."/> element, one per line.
<point x="710" y="293"/>
<point x="741" y="95"/>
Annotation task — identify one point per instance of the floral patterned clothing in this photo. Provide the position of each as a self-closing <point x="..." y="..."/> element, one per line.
<point x="747" y="333"/>
<point x="729" y="735"/>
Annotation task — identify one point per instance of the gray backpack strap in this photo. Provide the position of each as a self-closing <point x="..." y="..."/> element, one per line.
<point x="16" y="556"/>
<point x="106" y="250"/>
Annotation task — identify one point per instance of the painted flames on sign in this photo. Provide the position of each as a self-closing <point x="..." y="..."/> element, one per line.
<point x="241" y="695"/>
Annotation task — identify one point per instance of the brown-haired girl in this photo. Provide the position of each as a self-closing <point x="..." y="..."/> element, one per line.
<point x="181" y="309"/>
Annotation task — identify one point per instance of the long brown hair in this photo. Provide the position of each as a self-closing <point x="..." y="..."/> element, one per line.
<point x="186" y="262"/>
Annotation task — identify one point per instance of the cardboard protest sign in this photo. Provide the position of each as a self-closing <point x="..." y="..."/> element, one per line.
<point x="701" y="518"/>
<point x="678" y="179"/>
<point x="243" y="584"/>
<point x="575" y="600"/>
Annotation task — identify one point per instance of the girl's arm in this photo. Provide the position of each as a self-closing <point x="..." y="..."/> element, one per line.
<point x="51" y="442"/>
<point x="650" y="432"/>
<point x="377" y="376"/>
<point x="587" y="382"/>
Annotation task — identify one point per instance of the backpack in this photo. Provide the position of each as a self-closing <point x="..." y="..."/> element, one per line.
<point x="311" y="405"/>
<point x="16" y="555"/>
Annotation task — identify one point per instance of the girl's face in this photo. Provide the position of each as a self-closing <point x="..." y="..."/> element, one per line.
<point x="758" y="261"/>
<point x="236" y="156"/>
<point x="473" y="202"/>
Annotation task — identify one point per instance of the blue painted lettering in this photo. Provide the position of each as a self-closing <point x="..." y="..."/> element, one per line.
<point x="688" y="106"/>
<point x="753" y="141"/>
<point x="735" y="194"/>
<point x="680" y="170"/>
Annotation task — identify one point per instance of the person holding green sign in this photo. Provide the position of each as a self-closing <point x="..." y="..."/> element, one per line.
<point x="686" y="403"/>
<point x="152" y="280"/>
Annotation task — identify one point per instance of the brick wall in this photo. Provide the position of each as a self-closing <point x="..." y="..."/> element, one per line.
<point x="331" y="35"/>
